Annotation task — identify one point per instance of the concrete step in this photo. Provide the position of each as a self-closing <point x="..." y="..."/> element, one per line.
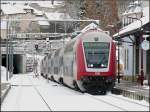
<point x="132" y="91"/>
<point x="5" y="87"/>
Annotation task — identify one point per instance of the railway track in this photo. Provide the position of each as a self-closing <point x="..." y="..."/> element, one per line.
<point x="115" y="101"/>
<point x="106" y="102"/>
<point x="38" y="92"/>
<point x="127" y="100"/>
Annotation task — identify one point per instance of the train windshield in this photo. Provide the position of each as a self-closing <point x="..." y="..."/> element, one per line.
<point x="96" y="54"/>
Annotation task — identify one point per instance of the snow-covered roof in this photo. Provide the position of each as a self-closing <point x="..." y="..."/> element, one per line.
<point x="26" y="7"/>
<point x="90" y="26"/>
<point x="38" y="13"/>
<point x="57" y="16"/>
<point x="12" y="9"/>
<point x="48" y="4"/>
<point x="136" y="24"/>
<point x="3" y="25"/>
<point x="42" y="21"/>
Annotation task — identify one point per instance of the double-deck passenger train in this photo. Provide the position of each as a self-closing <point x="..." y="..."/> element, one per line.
<point x="87" y="62"/>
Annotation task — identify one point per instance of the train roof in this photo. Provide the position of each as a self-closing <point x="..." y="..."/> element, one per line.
<point x="91" y="26"/>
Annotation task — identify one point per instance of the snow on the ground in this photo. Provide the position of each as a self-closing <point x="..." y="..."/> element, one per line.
<point x="3" y="74"/>
<point x="24" y="95"/>
<point x="123" y="101"/>
<point x="145" y="86"/>
<point x="39" y="58"/>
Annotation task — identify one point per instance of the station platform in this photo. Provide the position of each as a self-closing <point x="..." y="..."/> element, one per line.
<point x="132" y="90"/>
<point x="5" y="87"/>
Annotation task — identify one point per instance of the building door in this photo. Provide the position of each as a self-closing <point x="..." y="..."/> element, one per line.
<point x="148" y="62"/>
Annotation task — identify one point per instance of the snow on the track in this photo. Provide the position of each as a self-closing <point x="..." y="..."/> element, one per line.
<point x="3" y="74"/>
<point x="24" y="96"/>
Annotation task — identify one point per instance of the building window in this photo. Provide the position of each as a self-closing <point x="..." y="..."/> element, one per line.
<point x="126" y="59"/>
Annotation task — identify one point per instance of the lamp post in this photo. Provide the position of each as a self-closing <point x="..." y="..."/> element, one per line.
<point x="7" y="62"/>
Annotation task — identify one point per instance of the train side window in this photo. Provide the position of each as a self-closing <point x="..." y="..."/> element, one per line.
<point x="69" y="47"/>
<point x="61" y="61"/>
<point x="52" y="62"/>
<point x="71" y="68"/>
<point x="74" y="56"/>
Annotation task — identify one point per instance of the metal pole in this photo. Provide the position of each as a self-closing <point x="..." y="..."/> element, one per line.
<point x="55" y="26"/>
<point x="7" y="53"/>
<point x="9" y="57"/>
<point x="12" y="61"/>
<point x="118" y="63"/>
<point x="0" y="58"/>
<point x="10" y="54"/>
<point x="133" y="61"/>
<point x="142" y="71"/>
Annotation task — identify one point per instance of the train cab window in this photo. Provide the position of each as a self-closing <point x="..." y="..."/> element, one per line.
<point x="96" y="54"/>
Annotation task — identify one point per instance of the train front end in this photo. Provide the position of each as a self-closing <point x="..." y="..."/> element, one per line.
<point x="96" y="61"/>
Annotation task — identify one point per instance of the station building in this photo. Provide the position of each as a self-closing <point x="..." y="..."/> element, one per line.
<point x="136" y="29"/>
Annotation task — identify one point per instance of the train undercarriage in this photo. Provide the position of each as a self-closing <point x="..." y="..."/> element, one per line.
<point x="97" y="84"/>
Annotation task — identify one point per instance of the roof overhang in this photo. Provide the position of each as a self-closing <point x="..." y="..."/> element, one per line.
<point x="140" y="25"/>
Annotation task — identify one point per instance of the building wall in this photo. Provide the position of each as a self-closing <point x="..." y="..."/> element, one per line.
<point x="130" y="61"/>
<point x="3" y="33"/>
<point x="24" y="25"/>
<point x="146" y="3"/>
<point x="19" y="26"/>
<point x="128" y="57"/>
<point x="134" y="59"/>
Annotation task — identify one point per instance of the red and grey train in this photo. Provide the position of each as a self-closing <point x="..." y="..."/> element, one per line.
<point x="87" y="62"/>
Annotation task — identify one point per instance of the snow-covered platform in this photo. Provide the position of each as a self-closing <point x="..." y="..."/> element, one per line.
<point x="30" y="93"/>
<point x="133" y="90"/>
<point x="5" y="87"/>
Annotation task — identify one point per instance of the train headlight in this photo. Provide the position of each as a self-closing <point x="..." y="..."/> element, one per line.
<point x="90" y="65"/>
<point x="102" y="65"/>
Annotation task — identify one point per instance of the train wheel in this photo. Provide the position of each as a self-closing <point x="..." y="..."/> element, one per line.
<point x="61" y="81"/>
<point x="52" y="78"/>
<point x="46" y="76"/>
<point x="76" y="85"/>
<point x="103" y="92"/>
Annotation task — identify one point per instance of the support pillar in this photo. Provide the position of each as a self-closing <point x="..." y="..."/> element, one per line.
<point x="142" y="71"/>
